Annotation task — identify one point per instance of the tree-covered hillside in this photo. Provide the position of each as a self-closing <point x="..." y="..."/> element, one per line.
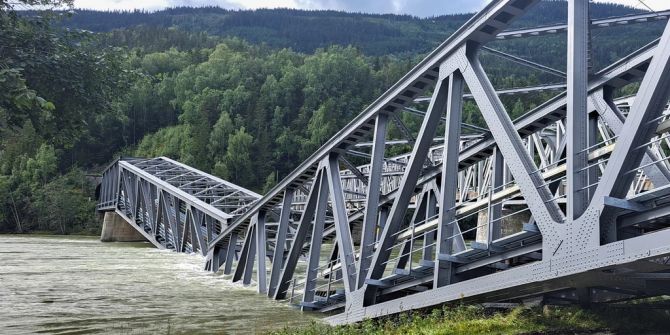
<point x="374" y="35"/>
<point x="306" y="31"/>
<point x="246" y="95"/>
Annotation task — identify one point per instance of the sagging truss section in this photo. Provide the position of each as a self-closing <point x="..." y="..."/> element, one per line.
<point x="174" y="206"/>
<point x="569" y="201"/>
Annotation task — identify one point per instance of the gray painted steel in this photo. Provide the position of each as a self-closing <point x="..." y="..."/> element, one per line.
<point x="570" y="201"/>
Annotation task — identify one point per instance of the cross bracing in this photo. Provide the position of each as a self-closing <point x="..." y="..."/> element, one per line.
<point x="567" y="202"/>
<point x="173" y="205"/>
<point x="595" y="24"/>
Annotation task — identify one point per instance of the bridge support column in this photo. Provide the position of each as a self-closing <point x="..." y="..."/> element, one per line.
<point x="116" y="229"/>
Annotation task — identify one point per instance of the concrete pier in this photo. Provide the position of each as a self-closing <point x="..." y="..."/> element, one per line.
<point x="116" y="229"/>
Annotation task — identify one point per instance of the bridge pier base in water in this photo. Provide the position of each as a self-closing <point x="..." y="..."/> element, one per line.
<point x="116" y="229"/>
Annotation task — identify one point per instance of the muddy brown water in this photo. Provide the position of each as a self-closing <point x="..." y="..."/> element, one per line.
<point x="78" y="285"/>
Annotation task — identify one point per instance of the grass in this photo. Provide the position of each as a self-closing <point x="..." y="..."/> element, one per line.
<point x="472" y="320"/>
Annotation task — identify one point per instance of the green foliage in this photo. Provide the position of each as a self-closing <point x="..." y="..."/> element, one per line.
<point x="292" y="103"/>
<point x="19" y="103"/>
<point x="195" y="88"/>
<point x="64" y="205"/>
<point x="170" y="142"/>
<point x="270" y="182"/>
<point x="237" y="163"/>
<point x="288" y="104"/>
<point x="170" y="61"/>
<point x="305" y="31"/>
<point x="308" y="31"/>
<point x="224" y="127"/>
<point x="56" y="89"/>
<point x="247" y="95"/>
<point x="33" y="197"/>
<point x="473" y="320"/>
<point x="43" y="166"/>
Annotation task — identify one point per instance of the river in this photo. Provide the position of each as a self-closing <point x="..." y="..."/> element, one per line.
<point x="78" y="285"/>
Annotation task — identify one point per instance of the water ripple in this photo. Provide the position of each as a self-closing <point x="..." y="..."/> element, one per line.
<point x="54" y="285"/>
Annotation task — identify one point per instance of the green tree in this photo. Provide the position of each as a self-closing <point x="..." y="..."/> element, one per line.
<point x="58" y="94"/>
<point x="237" y="164"/>
<point x="44" y="165"/>
<point x="218" y="140"/>
<point x="518" y="109"/>
<point x="63" y="205"/>
<point x="270" y="182"/>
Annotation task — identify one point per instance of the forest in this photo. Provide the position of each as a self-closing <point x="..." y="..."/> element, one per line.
<point x="245" y="95"/>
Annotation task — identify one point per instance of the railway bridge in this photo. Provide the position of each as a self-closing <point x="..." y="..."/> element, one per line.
<point x="570" y="203"/>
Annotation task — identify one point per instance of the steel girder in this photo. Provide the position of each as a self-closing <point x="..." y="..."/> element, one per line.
<point x="595" y="24"/>
<point x="568" y="201"/>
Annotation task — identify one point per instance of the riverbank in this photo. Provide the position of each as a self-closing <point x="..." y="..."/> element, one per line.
<point x="473" y="320"/>
<point x="52" y="234"/>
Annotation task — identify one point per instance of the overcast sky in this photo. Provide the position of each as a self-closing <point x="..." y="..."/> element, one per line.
<point x="421" y="8"/>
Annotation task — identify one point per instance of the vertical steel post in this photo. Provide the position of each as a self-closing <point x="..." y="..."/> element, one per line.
<point x="280" y="241"/>
<point x="429" y="236"/>
<point x="185" y="230"/>
<point x="215" y="258"/>
<point x="372" y="201"/>
<point x="342" y="228"/>
<point x="175" y="221"/>
<point x="249" y="262"/>
<point x="292" y="290"/>
<point x="196" y="231"/>
<point x="411" y="246"/>
<point x="154" y="206"/>
<point x="577" y="115"/>
<point x="246" y="256"/>
<point x="299" y="239"/>
<point x="161" y="218"/>
<point x="209" y="223"/>
<point x="261" y="252"/>
<point x="330" y="280"/>
<point x="417" y="216"/>
<point x="381" y="222"/>
<point x="403" y="256"/>
<point x="408" y="184"/>
<point x="159" y="213"/>
<point x="443" y="272"/>
<point x="592" y="175"/>
<point x="315" y="244"/>
<point x="333" y="258"/>
<point x="495" y="213"/>
<point x="231" y="249"/>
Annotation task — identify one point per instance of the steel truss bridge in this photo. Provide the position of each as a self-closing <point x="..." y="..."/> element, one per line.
<point x="568" y="203"/>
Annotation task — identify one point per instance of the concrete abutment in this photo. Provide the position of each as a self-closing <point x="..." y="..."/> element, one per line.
<point x="116" y="229"/>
